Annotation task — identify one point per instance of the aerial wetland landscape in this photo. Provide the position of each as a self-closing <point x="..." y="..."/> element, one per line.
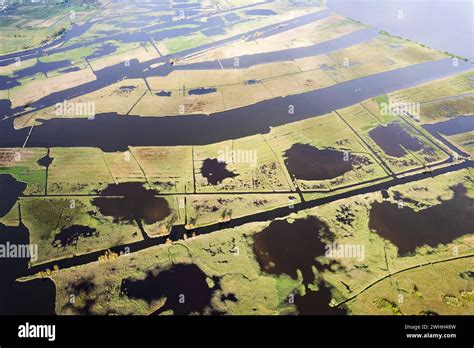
<point x="236" y="157"/>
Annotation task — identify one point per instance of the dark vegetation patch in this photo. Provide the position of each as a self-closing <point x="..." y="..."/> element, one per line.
<point x="345" y="215"/>
<point x="81" y="295"/>
<point x="68" y="70"/>
<point x="127" y="88"/>
<point x="251" y="82"/>
<point x="467" y="274"/>
<point x="229" y="297"/>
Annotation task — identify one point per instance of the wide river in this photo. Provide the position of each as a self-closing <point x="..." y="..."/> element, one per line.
<point x="446" y="25"/>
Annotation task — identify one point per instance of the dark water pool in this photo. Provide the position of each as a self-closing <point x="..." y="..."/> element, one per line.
<point x="284" y="248"/>
<point x="215" y="172"/>
<point x="317" y="302"/>
<point x="10" y="190"/>
<point x="133" y="202"/>
<point x="183" y="285"/>
<point x="70" y="235"/>
<point x="439" y="224"/>
<point x="307" y="162"/>
<point x="393" y="140"/>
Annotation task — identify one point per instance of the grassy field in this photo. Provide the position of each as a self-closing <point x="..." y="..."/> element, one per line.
<point x="327" y="131"/>
<point x="32" y="26"/>
<point x="465" y="141"/>
<point x="45" y="217"/>
<point x="440" y="99"/>
<point x="415" y="293"/>
<point x="22" y="164"/>
<point x="183" y="43"/>
<point x="204" y="210"/>
<point x="258" y="292"/>
<point x="366" y="116"/>
<point x="324" y="29"/>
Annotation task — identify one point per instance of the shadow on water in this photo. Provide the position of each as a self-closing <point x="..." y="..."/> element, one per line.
<point x="284" y="248"/>
<point x="439" y="224"/>
<point x="393" y="140"/>
<point x="307" y="162"/>
<point x="183" y="285"/>
<point x="215" y="171"/>
<point x="133" y="202"/>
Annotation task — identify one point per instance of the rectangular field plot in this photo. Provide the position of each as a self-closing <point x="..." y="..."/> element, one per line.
<point x="246" y="164"/>
<point x="323" y="154"/>
<point x="78" y="171"/>
<point x="166" y="169"/>
<point x="372" y="57"/>
<point x="401" y="146"/>
<point x="204" y="210"/>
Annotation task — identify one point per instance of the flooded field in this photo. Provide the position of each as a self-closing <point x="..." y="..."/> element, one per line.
<point x="133" y="202"/>
<point x="284" y="248"/>
<point x="307" y="162"/>
<point x="439" y="224"/>
<point x="202" y="90"/>
<point x="184" y="286"/>
<point x="129" y="211"/>
<point x="215" y="172"/>
<point x="317" y="302"/>
<point x="394" y="140"/>
<point x="45" y="161"/>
